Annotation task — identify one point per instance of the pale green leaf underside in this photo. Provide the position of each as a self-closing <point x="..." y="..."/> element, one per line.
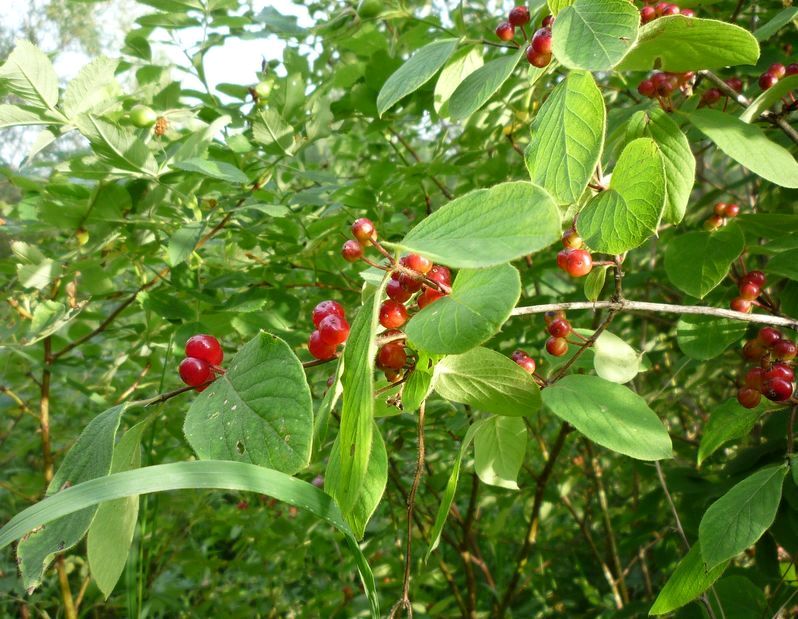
<point x="499" y="448"/>
<point x="29" y="74"/>
<point x="461" y="65"/>
<point x="475" y="90"/>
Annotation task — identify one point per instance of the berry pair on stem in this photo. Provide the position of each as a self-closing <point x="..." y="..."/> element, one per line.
<point x="574" y="259"/>
<point x="775" y="72"/>
<point x="203" y="357"/>
<point x="750" y="287"/>
<point x="653" y="10"/>
<point x="559" y="329"/>
<point x="713" y="95"/>
<point x="332" y="329"/>
<point x="774" y="377"/>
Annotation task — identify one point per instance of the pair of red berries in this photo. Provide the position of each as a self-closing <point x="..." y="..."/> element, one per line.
<point x="574" y="260"/>
<point x="392" y="357"/>
<point x="203" y="357"/>
<point x="750" y="287"/>
<point x="713" y="95"/>
<point x="518" y="18"/>
<point x="559" y="329"/>
<point x="776" y="71"/>
<point x="662" y="9"/>
<point x="365" y="232"/>
<point x="721" y="213"/>
<point x="329" y="318"/>
<point x="663" y="84"/>
<point x="773" y="378"/>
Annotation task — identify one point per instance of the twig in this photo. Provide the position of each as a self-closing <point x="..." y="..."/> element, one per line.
<point x="444" y="190"/>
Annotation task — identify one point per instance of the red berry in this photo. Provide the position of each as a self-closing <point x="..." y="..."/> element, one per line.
<point x="735" y="83"/>
<point x="428" y="296"/>
<point x="536" y="59"/>
<point x="664" y="83"/>
<point x="541" y="41"/>
<point x="755" y="277"/>
<point x="767" y="81"/>
<point x="792" y="69"/>
<point x="528" y="363"/>
<point x="754" y="378"/>
<point x="205" y="348"/>
<point x="363" y="230"/>
<point x="688" y="12"/>
<point x="441" y="274"/>
<point x="410" y="283"/>
<point x="194" y="372"/>
<point x="753" y="349"/>
<point x="319" y="349"/>
<point x="777" y="389"/>
<point x="562" y="259"/>
<point x="777" y="70"/>
<point x="333" y="330"/>
<point x="519" y="16"/>
<point x="785" y="350"/>
<point x="579" y="263"/>
<point x="749" y="292"/>
<point x="661" y="7"/>
<point x="556" y="346"/>
<point x="671" y="10"/>
<point x="392" y="356"/>
<point x="505" y="31"/>
<point x="397" y="292"/>
<point x="548" y="21"/>
<point x="780" y="370"/>
<point x="768" y="336"/>
<point x="647" y="14"/>
<point x="352" y="251"/>
<point x="739" y="304"/>
<point x="711" y="96"/>
<point x="553" y="315"/>
<point x="748" y="397"/>
<point x="646" y="88"/>
<point x="417" y="263"/>
<point x="720" y="209"/>
<point x="732" y="210"/>
<point x="559" y="328"/>
<point x="713" y="223"/>
<point x="326" y="308"/>
<point x="571" y="239"/>
<point x="392" y="314"/>
<point x="518" y="354"/>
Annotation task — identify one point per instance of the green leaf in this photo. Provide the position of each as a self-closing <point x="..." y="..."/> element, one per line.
<point x="738" y="597"/>
<point x="486" y="227"/>
<point x="479" y="86"/>
<point x="747" y="145"/>
<point x="480" y="303"/>
<point x="781" y="19"/>
<point x="14" y="116"/>
<point x="727" y="422"/>
<point x="698" y="261"/>
<point x="196" y="145"/>
<point x="357" y="409"/>
<point x="50" y="317"/>
<point x="89" y="458"/>
<point x="461" y="65"/>
<point x="488" y="381"/>
<point x="705" y="337"/>
<point x="610" y="415"/>
<point x="555" y="6"/>
<point x="689" y="580"/>
<point x="414" y="73"/>
<point x="183" y="242"/>
<point x="677" y="158"/>
<point x="614" y="360"/>
<point x="34" y="269"/>
<point x="770" y="97"/>
<point x="258" y="411"/>
<point x="116" y="146"/>
<point x="784" y="264"/>
<point x="271" y="130"/>
<point x="214" y="169"/>
<point x="94" y="90"/>
<point x="627" y="214"/>
<point x="191" y="476"/>
<point x="594" y="35"/>
<point x="416" y="389"/>
<point x="451" y="488"/>
<point x="739" y="518"/>
<point x="499" y="448"/>
<point x="111" y="532"/>
<point x="29" y="74"/>
<point x="678" y="44"/>
<point x="371" y="488"/>
<point x="594" y="283"/>
<point x="567" y="138"/>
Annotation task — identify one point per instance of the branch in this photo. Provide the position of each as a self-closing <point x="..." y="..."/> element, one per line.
<point x="660" y="308"/>
<point x="444" y="190"/>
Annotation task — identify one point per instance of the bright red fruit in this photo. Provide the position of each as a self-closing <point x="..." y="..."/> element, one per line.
<point x="536" y="59"/>
<point x="754" y="378"/>
<point x="352" y="251"/>
<point x="780" y="370"/>
<point x="541" y="41"/>
<point x="205" y="348"/>
<point x="777" y="70"/>
<point x="792" y="69"/>
<point x="720" y="209"/>
<point x="553" y="315"/>
<point x="753" y="349"/>
<point x="735" y="83"/>
<point x="671" y="10"/>
<point x="548" y="21"/>
<point x="519" y="16"/>
<point x="767" y="81"/>
<point x="755" y="277"/>
<point x="528" y="363"/>
<point x="748" y="397"/>
<point x="518" y="354"/>
<point x="749" y="291"/>
<point x="646" y="88"/>
<point x="579" y="263"/>
<point x="777" y="389"/>
<point x="417" y="263"/>
<point x="194" y="372"/>
<point x="363" y="230"/>
<point x="732" y="210"/>
<point x="319" y="349"/>
<point x="326" y="308"/>
<point x="333" y="330"/>
<point x="562" y="259"/>
<point x="559" y="328"/>
<point x="688" y="12"/>
<point x="441" y="274"/>
<point x="505" y="31"/>
<point x="411" y="284"/>
<point x="785" y="350"/>
<point x="392" y="356"/>
<point x="397" y="292"/>
<point x="768" y="336"/>
<point x="428" y="296"/>
<point x="739" y="304"/>
<point x="647" y="13"/>
<point x="392" y="314"/>
<point x="556" y="346"/>
<point x="711" y="96"/>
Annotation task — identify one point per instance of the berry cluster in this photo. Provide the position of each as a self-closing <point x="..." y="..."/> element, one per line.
<point x="559" y="329"/>
<point x="750" y="286"/>
<point x="653" y="10"/>
<point x="329" y="318"/>
<point x="776" y="71"/>
<point x="538" y="52"/>
<point x="574" y="259"/>
<point x="203" y="357"/>
<point x="774" y="377"/>
<point x="722" y="212"/>
<point x="661" y="85"/>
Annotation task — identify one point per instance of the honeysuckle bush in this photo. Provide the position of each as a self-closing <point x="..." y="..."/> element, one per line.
<point x="621" y="478"/>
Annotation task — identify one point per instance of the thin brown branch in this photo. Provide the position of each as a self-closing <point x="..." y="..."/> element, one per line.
<point x="444" y="190"/>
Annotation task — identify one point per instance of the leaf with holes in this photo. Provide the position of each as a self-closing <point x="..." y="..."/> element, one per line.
<point x="259" y="411"/>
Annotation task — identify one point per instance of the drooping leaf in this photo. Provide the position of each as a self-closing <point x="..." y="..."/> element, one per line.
<point x="748" y="145"/>
<point x="258" y="411"/>
<point x="462" y="64"/>
<point x="615" y="360"/>
<point x="627" y="214"/>
<point x="610" y="415"/>
<point x="480" y="303"/>
<point x="594" y="35"/>
<point x="488" y="227"/>
<point x="567" y="138"/>
<point x="594" y="283"/>
<point x="677" y="43"/>
<point x="475" y="90"/>
<point x="705" y="337"/>
<point x="727" y="422"/>
<point x="499" y="448"/>
<point x="739" y="518"/>
<point x="698" y="261"/>
<point x="488" y="381"/>
<point x="29" y="74"/>
<point x="689" y="580"/>
<point x="414" y="73"/>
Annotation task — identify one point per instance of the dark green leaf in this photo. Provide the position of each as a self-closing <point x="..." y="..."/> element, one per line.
<point x="689" y="580"/>
<point x="727" y="422"/>
<point x="705" y="337"/>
